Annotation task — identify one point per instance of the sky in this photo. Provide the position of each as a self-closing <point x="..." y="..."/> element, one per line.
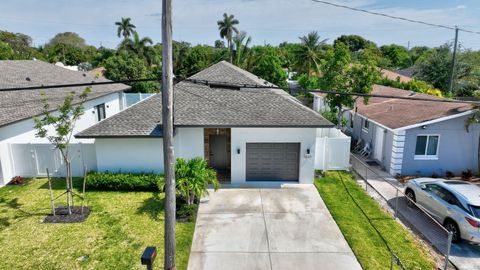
<point x="266" y="21"/>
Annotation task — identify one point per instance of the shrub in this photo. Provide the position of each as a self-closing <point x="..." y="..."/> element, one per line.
<point x="123" y="181"/>
<point x="193" y="177"/>
<point x="449" y="174"/>
<point x="467" y="175"/>
<point x="187" y="212"/>
<point x="17" y="180"/>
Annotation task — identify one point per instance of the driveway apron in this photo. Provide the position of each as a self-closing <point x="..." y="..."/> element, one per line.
<point x="284" y="228"/>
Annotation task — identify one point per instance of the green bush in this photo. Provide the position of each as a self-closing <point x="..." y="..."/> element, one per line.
<point x="123" y="181"/>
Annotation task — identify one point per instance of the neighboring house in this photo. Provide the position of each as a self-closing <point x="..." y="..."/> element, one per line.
<point x="394" y="75"/>
<point x="409" y="137"/>
<point x="21" y="152"/>
<point x="249" y="135"/>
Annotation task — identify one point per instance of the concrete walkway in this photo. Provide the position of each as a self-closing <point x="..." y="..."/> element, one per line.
<point x="285" y="228"/>
<point x="464" y="256"/>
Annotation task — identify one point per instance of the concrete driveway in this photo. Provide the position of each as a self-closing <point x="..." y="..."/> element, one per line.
<point x="285" y="228"/>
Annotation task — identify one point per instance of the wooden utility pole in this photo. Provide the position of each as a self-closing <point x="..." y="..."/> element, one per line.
<point x="167" y="121"/>
<point x="454" y="60"/>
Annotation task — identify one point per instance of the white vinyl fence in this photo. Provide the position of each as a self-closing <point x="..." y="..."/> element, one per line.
<point x="333" y="150"/>
<point x="130" y="99"/>
<point x="32" y="160"/>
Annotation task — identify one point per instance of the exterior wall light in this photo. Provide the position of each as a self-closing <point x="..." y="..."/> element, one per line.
<point x="238" y="151"/>
<point x="308" y="151"/>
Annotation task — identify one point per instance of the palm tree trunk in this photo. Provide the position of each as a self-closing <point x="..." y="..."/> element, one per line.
<point x="230" y="50"/>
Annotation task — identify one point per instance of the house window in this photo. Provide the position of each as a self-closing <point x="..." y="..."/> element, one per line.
<point x="100" y="111"/>
<point x="366" y="125"/>
<point x="427" y="147"/>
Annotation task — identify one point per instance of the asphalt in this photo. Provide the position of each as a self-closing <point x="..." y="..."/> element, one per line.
<point x="463" y="256"/>
<point x="284" y="228"/>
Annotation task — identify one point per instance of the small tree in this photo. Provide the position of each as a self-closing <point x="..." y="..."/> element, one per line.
<point x="63" y="124"/>
<point x="193" y="177"/>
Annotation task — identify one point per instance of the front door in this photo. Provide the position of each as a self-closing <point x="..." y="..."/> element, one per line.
<point x="378" y="147"/>
<point x="218" y="154"/>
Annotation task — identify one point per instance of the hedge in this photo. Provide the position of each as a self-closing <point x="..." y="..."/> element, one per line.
<point x="123" y="181"/>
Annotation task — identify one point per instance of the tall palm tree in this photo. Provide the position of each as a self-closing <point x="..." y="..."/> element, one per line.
<point x="125" y="28"/>
<point x="308" y="56"/>
<point x="138" y="46"/>
<point x="242" y="51"/>
<point x="227" y="28"/>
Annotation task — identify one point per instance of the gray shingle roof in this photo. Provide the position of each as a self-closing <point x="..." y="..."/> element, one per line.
<point x="198" y="105"/>
<point x="24" y="104"/>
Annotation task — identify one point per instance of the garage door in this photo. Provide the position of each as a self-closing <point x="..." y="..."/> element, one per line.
<point x="272" y="161"/>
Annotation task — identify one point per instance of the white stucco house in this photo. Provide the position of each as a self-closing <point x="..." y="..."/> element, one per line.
<point x="250" y="135"/>
<point x="21" y="152"/>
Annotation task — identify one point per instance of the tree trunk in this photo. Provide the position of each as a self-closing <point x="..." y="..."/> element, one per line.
<point x="167" y="122"/>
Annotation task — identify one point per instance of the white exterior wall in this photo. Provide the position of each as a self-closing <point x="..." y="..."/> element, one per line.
<point x="23" y="132"/>
<point x="146" y="154"/>
<point x="241" y="136"/>
<point x="130" y="154"/>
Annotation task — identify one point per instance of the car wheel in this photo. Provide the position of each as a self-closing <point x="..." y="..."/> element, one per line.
<point x="411" y="195"/>
<point x="452" y="227"/>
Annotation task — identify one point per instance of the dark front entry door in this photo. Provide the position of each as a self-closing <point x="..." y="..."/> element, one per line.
<point x="218" y="152"/>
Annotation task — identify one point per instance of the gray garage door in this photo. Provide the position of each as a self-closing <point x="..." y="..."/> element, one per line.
<point x="272" y="161"/>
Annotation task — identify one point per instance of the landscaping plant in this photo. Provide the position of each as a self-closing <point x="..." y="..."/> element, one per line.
<point x="193" y="177"/>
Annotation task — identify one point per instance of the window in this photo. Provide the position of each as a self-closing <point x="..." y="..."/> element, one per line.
<point x="366" y="125"/>
<point x="100" y="111"/>
<point x="445" y="195"/>
<point x="427" y="147"/>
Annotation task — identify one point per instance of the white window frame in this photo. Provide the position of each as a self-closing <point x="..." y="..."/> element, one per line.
<point x="365" y="129"/>
<point x="427" y="157"/>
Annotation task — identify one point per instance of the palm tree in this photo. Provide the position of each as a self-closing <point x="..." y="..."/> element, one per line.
<point x="125" y="28"/>
<point x="242" y="51"/>
<point x="227" y="28"/>
<point x="308" y="56"/>
<point x="138" y="46"/>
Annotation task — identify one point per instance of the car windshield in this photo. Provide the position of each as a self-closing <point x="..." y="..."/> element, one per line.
<point x="475" y="210"/>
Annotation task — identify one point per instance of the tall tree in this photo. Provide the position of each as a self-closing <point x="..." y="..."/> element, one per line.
<point x="227" y="28"/>
<point x="266" y="64"/>
<point x="139" y="46"/>
<point x="242" y="51"/>
<point x="308" y="55"/>
<point x="125" y="28"/>
<point x="340" y="75"/>
<point x="354" y="43"/>
<point x="397" y="56"/>
<point x="68" y="39"/>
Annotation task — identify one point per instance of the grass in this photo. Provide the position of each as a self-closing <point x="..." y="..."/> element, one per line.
<point x="120" y="226"/>
<point x="359" y="229"/>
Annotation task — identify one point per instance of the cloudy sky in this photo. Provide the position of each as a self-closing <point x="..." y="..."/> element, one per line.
<point x="267" y="21"/>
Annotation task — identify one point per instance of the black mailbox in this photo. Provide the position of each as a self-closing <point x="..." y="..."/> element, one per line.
<point x="148" y="257"/>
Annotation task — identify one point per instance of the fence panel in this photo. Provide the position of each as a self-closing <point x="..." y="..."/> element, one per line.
<point x="32" y="160"/>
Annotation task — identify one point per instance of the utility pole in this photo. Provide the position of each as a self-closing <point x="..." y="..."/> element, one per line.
<point x="167" y="122"/>
<point x="454" y="60"/>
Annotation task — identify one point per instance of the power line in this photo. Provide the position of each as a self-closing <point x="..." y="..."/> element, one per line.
<point x="394" y="17"/>
<point x="238" y="85"/>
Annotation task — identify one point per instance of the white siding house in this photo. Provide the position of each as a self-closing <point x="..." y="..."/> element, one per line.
<point x="24" y="154"/>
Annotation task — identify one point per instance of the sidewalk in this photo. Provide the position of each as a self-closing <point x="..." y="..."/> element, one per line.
<point x="463" y="256"/>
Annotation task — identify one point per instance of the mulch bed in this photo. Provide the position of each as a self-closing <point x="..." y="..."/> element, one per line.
<point x="62" y="216"/>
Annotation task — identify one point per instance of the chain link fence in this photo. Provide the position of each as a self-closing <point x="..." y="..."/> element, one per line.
<point x="389" y="193"/>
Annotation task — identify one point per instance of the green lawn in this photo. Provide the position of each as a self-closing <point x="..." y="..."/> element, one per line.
<point x="120" y="226"/>
<point x="364" y="240"/>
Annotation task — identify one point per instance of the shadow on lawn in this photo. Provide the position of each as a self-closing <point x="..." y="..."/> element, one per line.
<point x="60" y="184"/>
<point x="20" y="214"/>
<point x="153" y="206"/>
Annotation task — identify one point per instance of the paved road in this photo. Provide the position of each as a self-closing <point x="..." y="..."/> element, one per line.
<point x="285" y="228"/>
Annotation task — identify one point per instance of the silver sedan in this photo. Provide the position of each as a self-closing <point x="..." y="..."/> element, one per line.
<point x="455" y="204"/>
